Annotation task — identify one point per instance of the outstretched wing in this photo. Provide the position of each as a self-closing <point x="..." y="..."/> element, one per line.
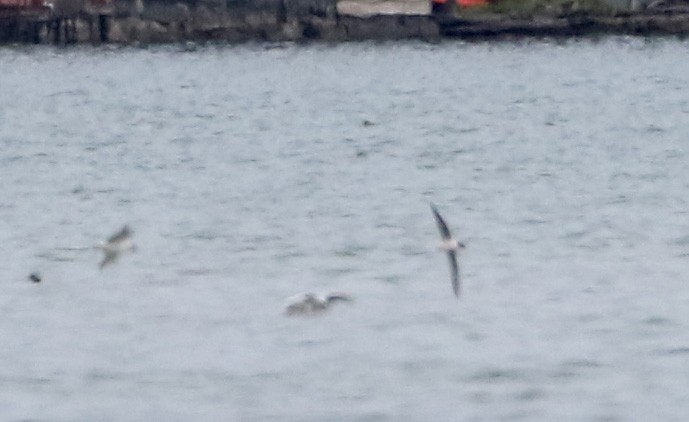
<point x="454" y="271"/>
<point x="442" y="226"/>
<point x="334" y="297"/>
<point x="109" y="258"/>
<point x="121" y="235"/>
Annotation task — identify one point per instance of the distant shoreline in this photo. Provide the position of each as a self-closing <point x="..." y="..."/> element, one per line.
<point x="163" y="22"/>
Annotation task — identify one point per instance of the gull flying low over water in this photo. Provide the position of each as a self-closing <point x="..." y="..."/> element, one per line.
<point x="115" y="245"/>
<point x="449" y="245"/>
<point x="312" y="304"/>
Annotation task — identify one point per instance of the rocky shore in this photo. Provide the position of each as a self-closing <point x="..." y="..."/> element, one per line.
<point x="264" y="20"/>
<point x="166" y="21"/>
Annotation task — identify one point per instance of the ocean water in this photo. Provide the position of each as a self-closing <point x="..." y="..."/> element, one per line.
<point x="252" y="173"/>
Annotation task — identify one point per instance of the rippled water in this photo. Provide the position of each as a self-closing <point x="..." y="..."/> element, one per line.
<point x="253" y="173"/>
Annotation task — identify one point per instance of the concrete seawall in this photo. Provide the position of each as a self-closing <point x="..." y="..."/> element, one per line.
<point x="270" y="20"/>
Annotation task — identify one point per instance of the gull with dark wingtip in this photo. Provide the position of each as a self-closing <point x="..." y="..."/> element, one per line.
<point x="451" y="246"/>
<point x="311" y="304"/>
<point x="116" y="244"/>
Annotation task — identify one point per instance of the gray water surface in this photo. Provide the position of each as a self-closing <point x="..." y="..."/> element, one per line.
<point x="250" y="174"/>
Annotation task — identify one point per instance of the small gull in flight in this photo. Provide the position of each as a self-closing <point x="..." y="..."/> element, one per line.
<point x="312" y="304"/>
<point x="449" y="245"/>
<point x="118" y="243"/>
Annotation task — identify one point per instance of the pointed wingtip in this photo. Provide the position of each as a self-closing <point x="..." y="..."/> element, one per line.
<point x="435" y="211"/>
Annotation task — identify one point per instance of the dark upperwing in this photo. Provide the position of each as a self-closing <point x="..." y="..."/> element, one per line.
<point x="442" y="226"/>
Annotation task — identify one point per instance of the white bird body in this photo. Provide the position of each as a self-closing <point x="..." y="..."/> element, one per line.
<point x="117" y="244"/>
<point x="312" y="304"/>
<point x="449" y="245"/>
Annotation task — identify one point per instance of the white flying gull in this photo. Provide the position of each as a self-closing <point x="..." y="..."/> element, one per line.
<point x="312" y="304"/>
<point x="118" y="243"/>
<point x="451" y="246"/>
